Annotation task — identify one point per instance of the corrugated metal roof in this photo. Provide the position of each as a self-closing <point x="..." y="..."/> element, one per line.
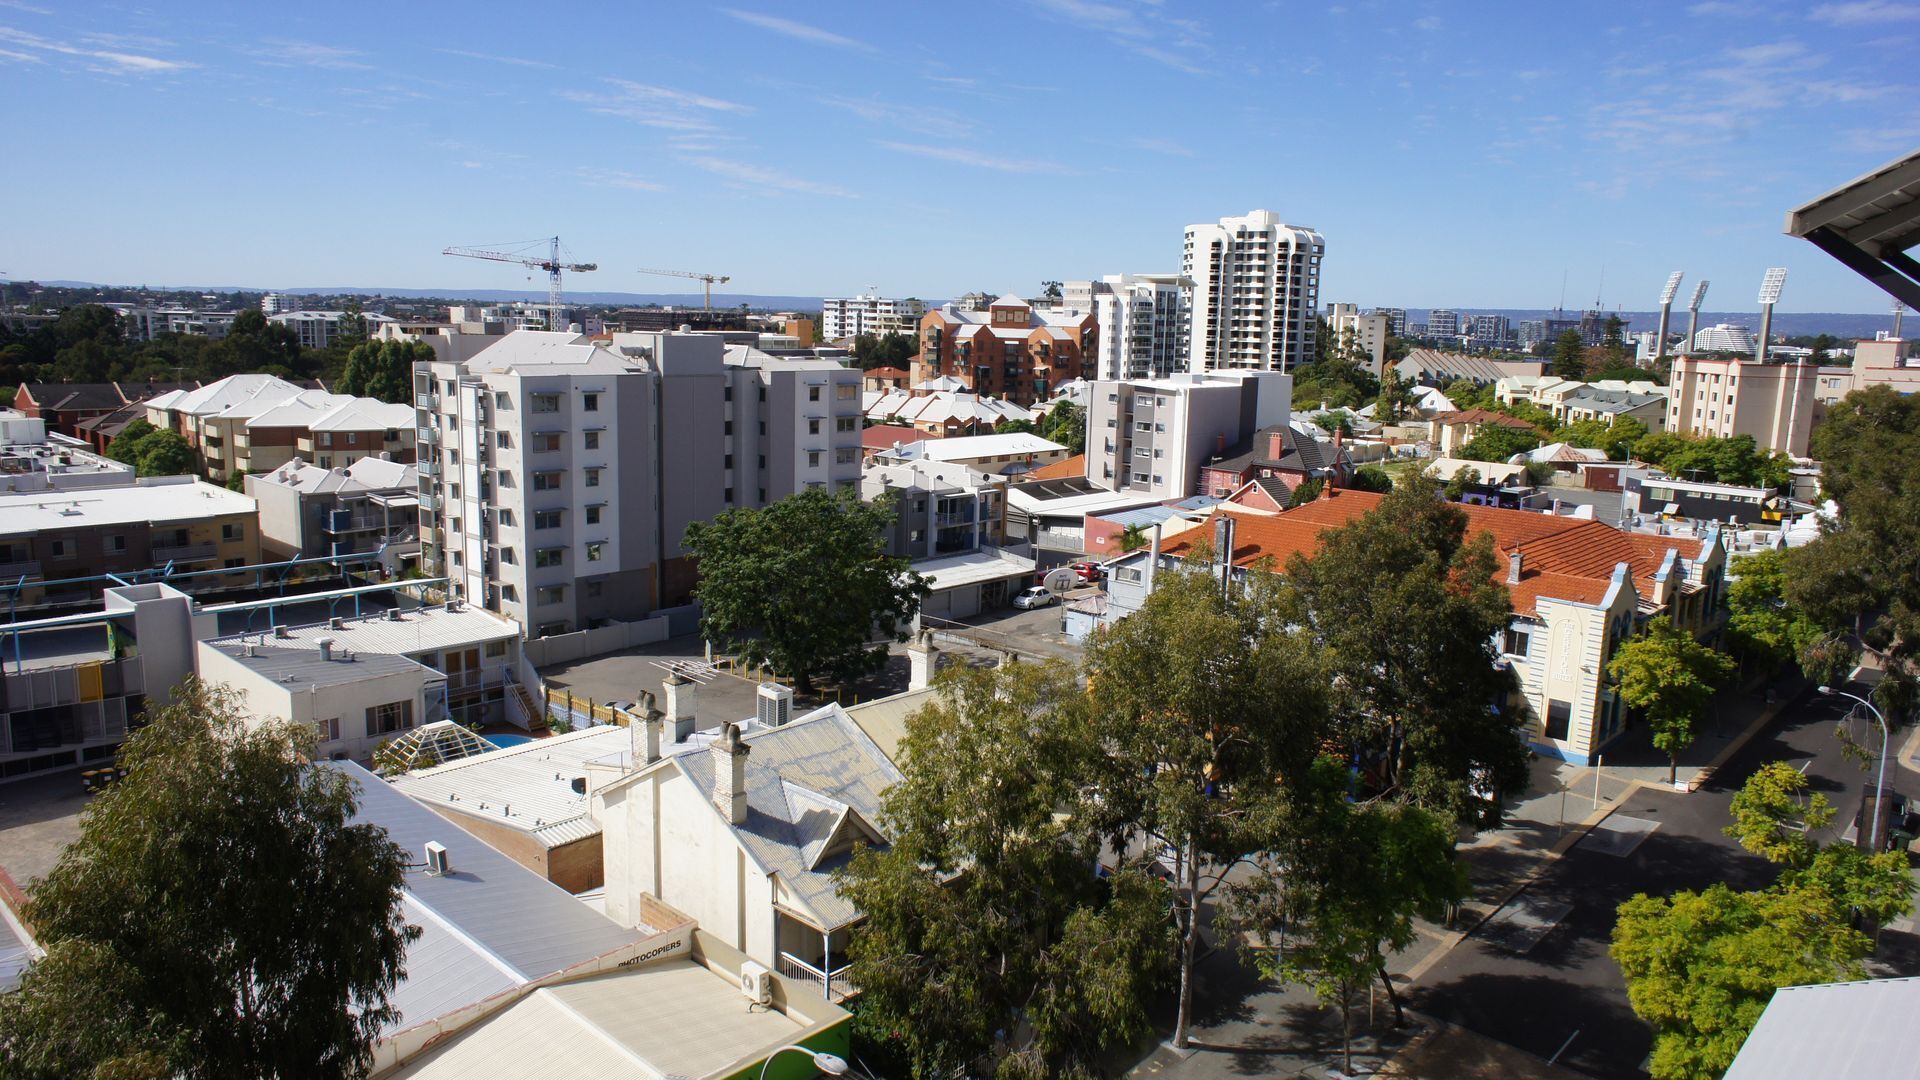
<point x="416" y="630"/>
<point x="885" y="720"/>
<point x="1839" y="1029"/>
<point x="445" y="972"/>
<point x="15" y="953"/>
<point x="503" y="909"/>
<point x="302" y="665"/>
<point x="528" y="787"/>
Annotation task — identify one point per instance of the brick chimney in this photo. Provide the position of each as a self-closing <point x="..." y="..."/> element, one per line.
<point x="1220" y="443"/>
<point x="644" y="732"/>
<point x="1514" y="564"/>
<point x="730" y="774"/>
<point x="1276" y="444"/>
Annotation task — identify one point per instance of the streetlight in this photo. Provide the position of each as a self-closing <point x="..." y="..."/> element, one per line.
<point x="1880" y="780"/>
<point x="827" y="1063"/>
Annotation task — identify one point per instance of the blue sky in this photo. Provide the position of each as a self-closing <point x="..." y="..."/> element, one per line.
<point x="1453" y="154"/>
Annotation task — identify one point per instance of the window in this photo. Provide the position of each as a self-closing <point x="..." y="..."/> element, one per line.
<point x="727" y="428"/>
<point x="813" y="393"/>
<point x="393" y="716"/>
<point x="62" y="549"/>
<point x="729" y="462"/>
<point x="496" y="648"/>
<point x="1559" y="718"/>
<point x="1127" y="573"/>
<point x="550" y="629"/>
<point x="547" y="519"/>
<point x="813" y="427"/>
<point x="846" y="424"/>
<point x="594" y="550"/>
<point x="506" y="518"/>
<point x="510" y="594"/>
<point x="231" y="531"/>
<point x="1518" y="642"/>
<point x="545" y="403"/>
<point x="326" y="439"/>
<point x="328" y="730"/>
<point x="551" y="556"/>
<point x="590" y="402"/>
<point x="813" y="459"/>
<point x="546" y="481"/>
<point x="592" y="476"/>
<point x="550" y="594"/>
<point x="846" y="455"/>
<point x="506" y="480"/>
<point x="545" y="442"/>
<point x="234" y="564"/>
<point x="591" y="440"/>
<point x="507" y="556"/>
<point x="729" y="495"/>
<point x="501" y="400"/>
<point x="503" y="440"/>
<point x="116" y="542"/>
<point x="845" y="391"/>
<point x="593" y="515"/>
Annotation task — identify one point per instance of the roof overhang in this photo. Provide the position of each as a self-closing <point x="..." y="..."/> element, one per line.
<point x="1869" y="224"/>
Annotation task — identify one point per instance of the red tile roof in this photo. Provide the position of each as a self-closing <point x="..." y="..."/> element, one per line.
<point x="1561" y="558"/>
<point x="1061" y="470"/>
<point x="883" y="436"/>
<point x="1483" y="416"/>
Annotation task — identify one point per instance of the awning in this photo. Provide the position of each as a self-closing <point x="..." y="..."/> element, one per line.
<point x="1869" y="225"/>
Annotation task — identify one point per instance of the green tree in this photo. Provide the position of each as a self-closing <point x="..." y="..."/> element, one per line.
<point x="1341" y="892"/>
<point x="1206" y="715"/>
<point x="803" y="584"/>
<point x="985" y="932"/>
<point x="1050" y="290"/>
<point x="1763" y="627"/>
<point x="125" y="447"/>
<point x="1467" y="394"/>
<point x="269" y="931"/>
<point x="1337" y="381"/>
<point x="883" y="350"/>
<point x="383" y="370"/>
<point x="1701" y="967"/>
<point x="1669" y="676"/>
<point x="1407" y="606"/>
<point x="1007" y="427"/>
<point x="1066" y="424"/>
<point x="1613" y="340"/>
<point x="1307" y="491"/>
<point x="162" y="453"/>
<point x="1616" y="438"/>
<point x="1394" y="400"/>
<point x="1464" y="477"/>
<point x="1570" y="356"/>
<point x="1133" y="538"/>
<point x="1372" y="478"/>
<point x="1498" y="443"/>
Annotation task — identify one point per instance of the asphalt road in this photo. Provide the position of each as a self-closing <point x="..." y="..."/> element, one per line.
<point x="1549" y="987"/>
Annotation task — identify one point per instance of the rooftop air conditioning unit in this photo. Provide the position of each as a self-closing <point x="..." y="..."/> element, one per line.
<point x="773" y="705"/>
<point x="437" y="864"/>
<point x="756" y="983"/>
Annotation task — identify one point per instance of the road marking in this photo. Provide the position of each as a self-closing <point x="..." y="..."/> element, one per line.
<point x="1563" y="1047"/>
<point x="1619" y="835"/>
<point x="1519" y="926"/>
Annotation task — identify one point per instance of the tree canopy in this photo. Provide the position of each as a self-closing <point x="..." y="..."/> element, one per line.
<point x="1570" y="355"/>
<point x="1617" y="438"/>
<point x="883" y="350"/>
<point x="383" y="370"/>
<point x="1669" y="676"/>
<point x="1066" y="424"/>
<point x="1734" y="459"/>
<point x="803" y="584"/>
<point x="1498" y="442"/>
<point x="267" y="932"/>
<point x="152" y="451"/>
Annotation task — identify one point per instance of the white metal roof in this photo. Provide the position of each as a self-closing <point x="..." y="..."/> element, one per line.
<point x="415" y="630"/>
<point x="970" y="447"/>
<point x="163" y="500"/>
<point x="528" y="787"/>
<point x="971" y="568"/>
<point x="1837" y="1029"/>
<point x="536" y="349"/>
<point x="223" y="394"/>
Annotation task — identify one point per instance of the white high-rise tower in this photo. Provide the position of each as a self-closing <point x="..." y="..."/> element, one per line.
<point x="1256" y="291"/>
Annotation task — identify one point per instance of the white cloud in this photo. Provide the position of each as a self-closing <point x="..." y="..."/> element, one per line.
<point x="516" y="61"/>
<point x="797" y="30"/>
<point x="616" y="179"/>
<point x="1159" y="146"/>
<point x="1431" y="22"/>
<point x="312" y="54"/>
<point x="927" y="119"/>
<point x="768" y="181"/>
<point x="1140" y="28"/>
<point x="655" y="106"/>
<point x="1718" y="7"/>
<point x="102" y="61"/>
<point x="1865" y="13"/>
<point x="960" y="155"/>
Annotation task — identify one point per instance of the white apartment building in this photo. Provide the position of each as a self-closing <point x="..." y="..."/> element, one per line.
<point x="1255" y="295"/>
<point x="851" y="316"/>
<point x="1443" y="324"/>
<point x="146" y="323"/>
<point x="1145" y="323"/>
<point x="1489" y="330"/>
<point x="1150" y="437"/>
<point x="1368" y="333"/>
<point x="558" y="475"/>
<point x="274" y="303"/>
<point x="318" y="329"/>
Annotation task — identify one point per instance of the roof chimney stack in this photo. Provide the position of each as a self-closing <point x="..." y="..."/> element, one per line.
<point x="644" y="731"/>
<point x="325" y="645"/>
<point x="1514" y="561"/>
<point x="730" y="774"/>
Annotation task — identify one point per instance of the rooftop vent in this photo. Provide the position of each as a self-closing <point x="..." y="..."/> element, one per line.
<point x="325" y="645"/>
<point x="336" y="623"/>
<point x="282" y="632"/>
<point x="438" y="865"/>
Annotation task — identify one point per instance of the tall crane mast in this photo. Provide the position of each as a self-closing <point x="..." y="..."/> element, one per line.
<point x="552" y="265"/>
<point x="709" y="279"/>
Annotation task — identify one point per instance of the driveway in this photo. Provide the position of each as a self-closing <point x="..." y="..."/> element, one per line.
<point x="1537" y="974"/>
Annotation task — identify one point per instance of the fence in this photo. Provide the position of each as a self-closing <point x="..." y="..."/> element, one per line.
<point x="566" y="648"/>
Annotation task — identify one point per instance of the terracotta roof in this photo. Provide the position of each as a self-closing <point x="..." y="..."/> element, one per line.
<point x="1073" y="466"/>
<point x="1562" y="558"/>
<point x="1484" y="416"/>
<point x="883" y="436"/>
<point x="886" y="373"/>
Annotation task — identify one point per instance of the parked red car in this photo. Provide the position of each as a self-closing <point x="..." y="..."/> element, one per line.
<point x="1086" y="571"/>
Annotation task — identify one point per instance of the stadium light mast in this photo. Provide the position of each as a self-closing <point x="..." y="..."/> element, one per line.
<point x="1693" y="313"/>
<point x="1769" y="295"/>
<point x="1666" y="308"/>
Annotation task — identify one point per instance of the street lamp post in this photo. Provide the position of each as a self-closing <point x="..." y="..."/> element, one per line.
<point x="831" y="1064"/>
<point x="1880" y="779"/>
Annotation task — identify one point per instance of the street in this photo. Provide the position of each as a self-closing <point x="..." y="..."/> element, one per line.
<point x="1537" y="974"/>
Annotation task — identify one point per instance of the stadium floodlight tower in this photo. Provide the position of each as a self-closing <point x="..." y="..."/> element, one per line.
<point x="1899" y="309"/>
<point x="1693" y="312"/>
<point x="1666" y="308"/>
<point x="1769" y="296"/>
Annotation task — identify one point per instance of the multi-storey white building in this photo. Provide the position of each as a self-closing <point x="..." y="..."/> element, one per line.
<point x="1443" y="324"/>
<point x="851" y="316"/>
<point x="1150" y="437"/>
<point x="1396" y="320"/>
<point x="1145" y="323"/>
<point x="318" y="329"/>
<point x="1488" y="330"/>
<point x="1366" y="333"/>
<point x="1256" y="292"/>
<point x="1724" y="396"/>
<point x="558" y="475"/>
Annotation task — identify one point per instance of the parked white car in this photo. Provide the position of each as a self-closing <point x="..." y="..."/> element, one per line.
<point x="1036" y="597"/>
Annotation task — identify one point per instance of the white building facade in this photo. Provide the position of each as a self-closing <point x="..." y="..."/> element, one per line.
<point x="1149" y="437"/>
<point x="1145" y="323"/>
<point x="1256" y="292"/>
<point x="851" y="316"/>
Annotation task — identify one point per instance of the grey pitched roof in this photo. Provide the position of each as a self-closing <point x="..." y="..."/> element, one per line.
<point x="52" y="395"/>
<point x="305" y="667"/>
<point x="801" y="779"/>
<point x="1834" y="1029"/>
<point x="1608" y="401"/>
<point x="1303" y="453"/>
<point x="518" y="923"/>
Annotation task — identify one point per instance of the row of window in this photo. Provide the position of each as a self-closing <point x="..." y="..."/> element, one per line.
<point x="544" y="442"/>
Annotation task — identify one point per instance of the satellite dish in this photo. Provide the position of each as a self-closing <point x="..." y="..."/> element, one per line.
<point x="1059" y="580"/>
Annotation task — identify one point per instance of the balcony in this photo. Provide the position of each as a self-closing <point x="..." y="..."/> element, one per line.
<point x="429" y="466"/>
<point x="14" y="571"/>
<point x="832" y="985"/>
<point x="184" y="553"/>
<point x="348" y="521"/>
<point x="429" y="502"/>
<point x="426" y="401"/>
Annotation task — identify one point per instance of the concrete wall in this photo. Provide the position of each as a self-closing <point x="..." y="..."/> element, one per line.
<point x="566" y="648"/>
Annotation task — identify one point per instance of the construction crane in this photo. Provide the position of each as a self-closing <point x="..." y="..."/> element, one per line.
<point x="709" y="279"/>
<point x="551" y="264"/>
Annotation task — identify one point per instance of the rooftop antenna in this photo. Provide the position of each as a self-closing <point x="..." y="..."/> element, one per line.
<point x="1693" y="313"/>
<point x="1600" y="290"/>
<point x="1666" y="307"/>
<point x="1561" y="307"/>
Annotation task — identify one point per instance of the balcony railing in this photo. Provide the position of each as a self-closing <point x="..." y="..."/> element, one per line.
<point x="832" y="985"/>
<point x="183" y="553"/>
<point x="14" y="571"/>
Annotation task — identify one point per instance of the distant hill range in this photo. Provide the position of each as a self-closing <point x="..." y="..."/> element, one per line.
<point x="1840" y="324"/>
